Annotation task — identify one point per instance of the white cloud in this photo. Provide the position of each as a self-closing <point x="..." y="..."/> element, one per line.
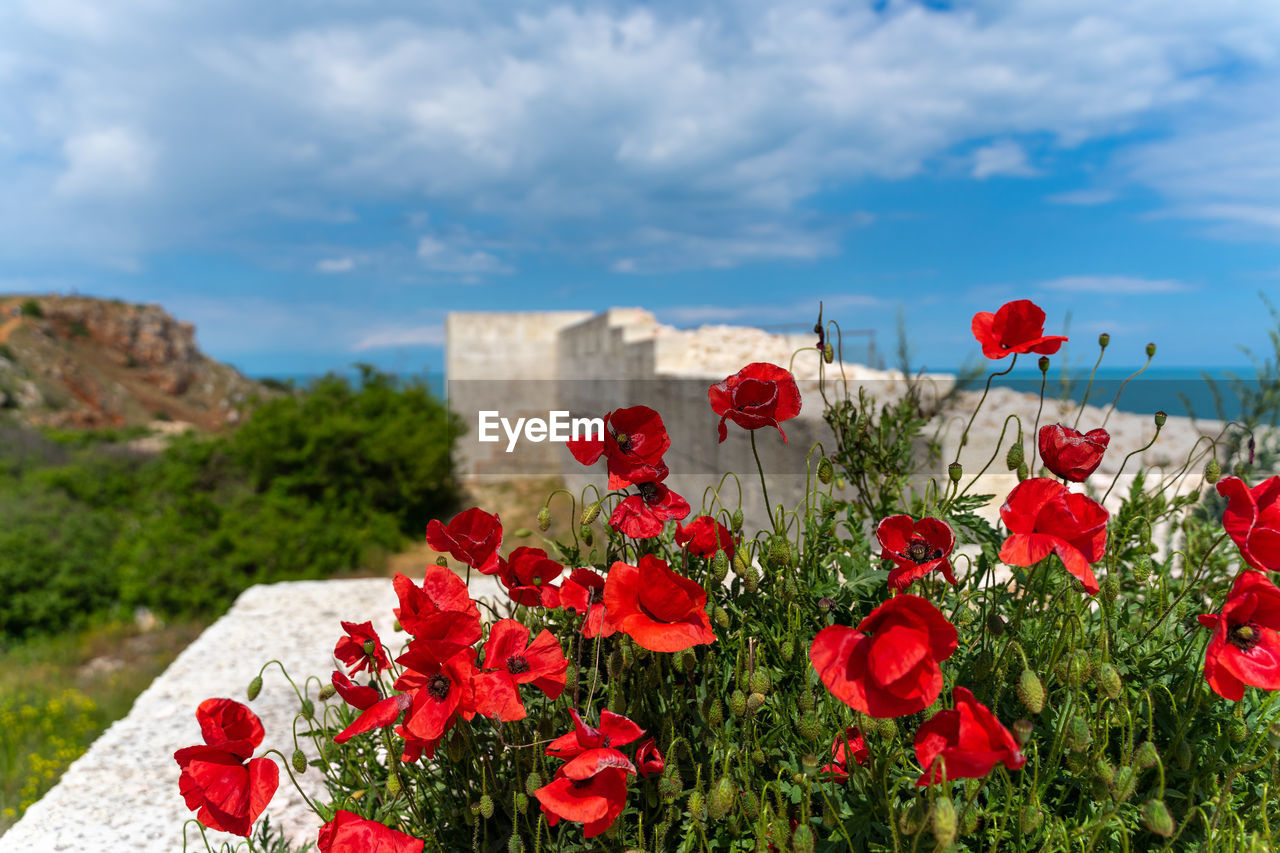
<point x="108" y="161"/>
<point x="439" y="256"/>
<point x="1005" y="158"/>
<point x="336" y="265"/>
<point x="401" y="336"/>
<point x="1114" y="284"/>
<point x="1083" y="198"/>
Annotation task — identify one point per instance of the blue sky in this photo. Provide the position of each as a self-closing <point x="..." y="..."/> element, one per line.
<point x="318" y="183"/>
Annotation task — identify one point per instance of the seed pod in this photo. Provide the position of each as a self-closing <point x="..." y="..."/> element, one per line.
<point x="326" y="692"/>
<point x="1109" y="683"/>
<point x="1124" y="784"/>
<point x="825" y="472"/>
<point x="754" y="701"/>
<point x="1043" y="364"/>
<point x="942" y="819"/>
<point x="532" y="782"/>
<point x="802" y="839"/>
<point x="719" y="567"/>
<point x="544" y="519"/>
<point x="955" y="471"/>
<point x="738" y="703"/>
<point x="255" y="687"/>
<point x="1110" y="588"/>
<point x="1156" y="817"/>
<point x="760" y="682"/>
<point x="299" y="761"/>
<point x="1160" y="419"/>
<point x="1103" y="340"/>
<point x="828" y="353"/>
<point x="442" y="561"/>
<point x="721" y="799"/>
<point x="1031" y="692"/>
<point x="1015" y="456"/>
<point x="1151" y="350"/>
<point x="810" y="727"/>
<point x="1146" y="756"/>
<point x="1022" y="731"/>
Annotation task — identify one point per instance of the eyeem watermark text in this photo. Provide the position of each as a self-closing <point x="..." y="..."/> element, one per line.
<point x="557" y="426"/>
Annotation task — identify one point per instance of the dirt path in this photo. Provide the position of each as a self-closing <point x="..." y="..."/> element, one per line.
<point x="7" y="327"/>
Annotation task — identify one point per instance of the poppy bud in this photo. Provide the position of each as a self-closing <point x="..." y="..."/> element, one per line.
<point x="759" y="682"/>
<point x="1142" y="569"/>
<point x="1124" y="784"/>
<point x="829" y="819"/>
<point x="810" y="727"/>
<point x="1015" y="456"/>
<point x="828" y="353"/>
<point x="326" y="692"/>
<point x="394" y="787"/>
<point x="721" y="800"/>
<point x="754" y="701"/>
<point x="1022" y="731"/>
<point x="368" y="647"/>
<point x="532" y="782"/>
<point x="590" y="513"/>
<point x="807" y="701"/>
<point x="1212" y="471"/>
<point x="825" y="472"/>
<point x="456" y="747"/>
<point x="255" y="687"/>
<point x="955" y="471"/>
<point x="1151" y="350"/>
<point x="587" y="535"/>
<point x="1031" y="818"/>
<point x="750" y="578"/>
<point x="514" y="844"/>
<point x="1110" y="588"/>
<point x="839" y="483"/>
<point x="779" y="552"/>
<point x="1044" y="364"/>
<point x="1103" y="340"/>
<point x="328" y="750"/>
<point x="697" y="806"/>
<point x="750" y="804"/>
<point x="886" y="727"/>
<point x="1145" y="756"/>
<point x="671" y="785"/>
<point x="521" y="802"/>
<point x="942" y="819"/>
<point x="802" y="839"/>
<point x="1156" y="817"/>
<point x="442" y="562"/>
<point x="544" y="519"/>
<point x="1273" y="734"/>
<point x="757" y="755"/>
<point x="1238" y="731"/>
<point x="995" y="624"/>
<point x="1023" y="472"/>
<point x="1109" y="681"/>
<point x="738" y="703"/>
<point x="1078" y="735"/>
<point x="1105" y="772"/>
<point x="1182" y="755"/>
<point x="911" y="820"/>
<point x="299" y="761"/>
<point x="715" y="714"/>
<point x="689" y="661"/>
<point x="1161" y="417"/>
<point x="1078" y="667"/>
<point x="308" y="708"/>
<point x="720" y="566"/>
<point x="787" y="651"/>
<point x="1031" y="691"/>
<point x="722" y="617"/>
<point x="984" y="664"/>
<point x="486" y="806"/>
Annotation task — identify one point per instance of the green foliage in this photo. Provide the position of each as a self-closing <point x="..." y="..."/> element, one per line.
<point x="322" y="482"/>
<point x="31" y="308"/>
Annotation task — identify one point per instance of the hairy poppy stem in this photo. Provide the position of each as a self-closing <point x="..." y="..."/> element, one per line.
<point x="1035" y="427"/>
<point x="1088" y="387"/>
<point x="964" y="436"/>
<point x="763" y="485"/>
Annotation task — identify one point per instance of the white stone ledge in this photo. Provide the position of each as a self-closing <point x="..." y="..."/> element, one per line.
<point x="122" y="794"/>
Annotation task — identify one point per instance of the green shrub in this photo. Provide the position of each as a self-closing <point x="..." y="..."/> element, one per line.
<point x="31" y="308"/>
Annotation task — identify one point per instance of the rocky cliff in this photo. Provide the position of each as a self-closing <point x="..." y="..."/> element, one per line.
<point x="77" y="362"/>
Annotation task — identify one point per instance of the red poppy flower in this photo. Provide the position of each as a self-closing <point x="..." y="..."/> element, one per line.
<point x="356" y="695"/>
<point x="1044" y="518"/>
<point x="379" y="715"/>
<point x="1016" y="327"/>
<point x="965" y="742"/>
<point x="351" y="648"/>
<point x="634" y="442"/>
<point x="541" y="663"/>
<point x="591" y="788"/>
<point x="649" y="760"/>
<point x="642" y="516"/>
<point x="442" y="691"/>
<point x="916" y="548"/>
<point x="1071" y="454"/>
<point x="888" y="665"/>
<point x="851" y="743"/>
<point x="1252" y="520"/>
<point x="230" y="726"/>
<point x="1245" y="649"/>
<point x="758" y="395"/>
<point x="704" y="536"/>
<point x="528" y="574"/>
<point x="473" y="536"/>
<point x="226" y="792"/>
<point x="583" y="593"/>
<point x="440" y="614"/>
<point x="350" y="833"/>
<point x="659" y="609"/>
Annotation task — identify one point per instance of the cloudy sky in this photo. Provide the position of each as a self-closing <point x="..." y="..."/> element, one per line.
<point x="318" y="183"/>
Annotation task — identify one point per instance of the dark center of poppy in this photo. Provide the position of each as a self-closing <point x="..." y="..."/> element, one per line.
<point x="1244" y="637"/>
<point x="624" y="441"/>
<point x="597" y="595"/>
<point x="517" y="664"/>
<point x="648" y="491"/>
<point x="920" y="551"/>
<point x="439" y="687"/>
